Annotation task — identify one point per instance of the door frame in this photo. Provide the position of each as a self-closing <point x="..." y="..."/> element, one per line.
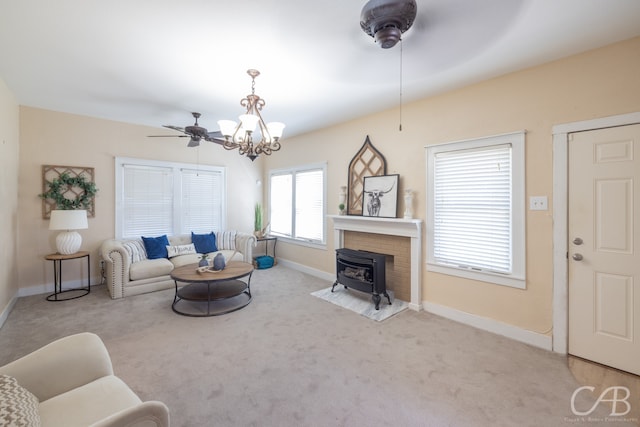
<point x="560" y="336"/>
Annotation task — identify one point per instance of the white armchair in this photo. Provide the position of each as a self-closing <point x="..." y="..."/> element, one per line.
<point x="73" y="380"/>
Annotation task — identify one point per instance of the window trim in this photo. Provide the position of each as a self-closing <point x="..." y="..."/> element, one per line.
<point x="119" y="164"/>
<point x="295" y="169"/>
<point x="517" y="278"/>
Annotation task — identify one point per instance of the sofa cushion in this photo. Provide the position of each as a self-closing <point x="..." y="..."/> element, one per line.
<point x="227" y="240"/>
<point x="135" y="249"/>
<point x="156" y="247"/>
<point x="89" y="403"/>
<point x="18" y="406"/>
<point x="181" y="250"/>
<point x="181" y="260"/>
<point x="204" y="243"/>
<point x="150" y="268"/>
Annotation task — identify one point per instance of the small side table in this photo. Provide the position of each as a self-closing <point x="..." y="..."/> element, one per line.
<point x="57" y="276"/>
<point x="266" y="240"/>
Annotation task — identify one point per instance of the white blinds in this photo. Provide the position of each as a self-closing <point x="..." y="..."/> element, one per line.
<point x="281" y="203"/>
<point x="147" y="198"/>
<point x="309" y="205"/>
<point x="201" y="201"/>
<point x="472" y="208"/>
<point x="155" y="198"/>
<point x="297" y="203"/>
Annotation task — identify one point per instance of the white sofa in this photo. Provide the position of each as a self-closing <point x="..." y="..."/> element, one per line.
<point x="128" y="271"/>
<point x="70" y="382"/>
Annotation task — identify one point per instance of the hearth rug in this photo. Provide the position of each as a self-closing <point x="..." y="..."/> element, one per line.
<point x="361" y="303"/>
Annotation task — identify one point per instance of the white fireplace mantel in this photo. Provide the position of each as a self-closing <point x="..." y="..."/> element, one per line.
<point x="411" y="228"/>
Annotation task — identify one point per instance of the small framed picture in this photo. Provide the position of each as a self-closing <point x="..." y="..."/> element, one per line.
<point x="380" y="196"/>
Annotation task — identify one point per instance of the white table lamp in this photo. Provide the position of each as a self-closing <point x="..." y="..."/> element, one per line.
<point x="68" y="242"/>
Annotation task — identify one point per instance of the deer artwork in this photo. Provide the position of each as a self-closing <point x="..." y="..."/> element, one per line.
<point x="373" y="205"/>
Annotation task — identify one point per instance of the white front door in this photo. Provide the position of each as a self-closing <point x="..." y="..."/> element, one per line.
<point x="604" y="246"/>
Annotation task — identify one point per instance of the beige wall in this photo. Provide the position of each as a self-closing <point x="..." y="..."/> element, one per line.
<point x="9" y="143"/>
<point x="54" y="138"/>
<point x="595" y="84"/>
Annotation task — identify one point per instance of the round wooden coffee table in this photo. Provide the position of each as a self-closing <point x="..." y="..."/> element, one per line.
<point x="212" y="293"/>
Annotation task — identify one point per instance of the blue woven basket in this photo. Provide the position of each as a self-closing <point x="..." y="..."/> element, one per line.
<point x="264" y="261"/>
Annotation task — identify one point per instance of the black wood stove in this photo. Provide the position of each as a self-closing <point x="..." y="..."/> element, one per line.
<point x="363" y="271"/>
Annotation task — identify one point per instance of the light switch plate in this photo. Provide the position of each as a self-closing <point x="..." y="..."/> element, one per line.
<point x="538" y="203"/>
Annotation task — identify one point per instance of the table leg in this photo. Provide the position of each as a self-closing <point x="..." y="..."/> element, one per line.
<point x="208" y="298"/>
<point x="88" y="273"/>
<point x="57" y="282"/>
<point x="57" y="278"/>
<point x="249" y="285"/>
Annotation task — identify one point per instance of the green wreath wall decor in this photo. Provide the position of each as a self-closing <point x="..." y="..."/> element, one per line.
<point x="58" y="187"/>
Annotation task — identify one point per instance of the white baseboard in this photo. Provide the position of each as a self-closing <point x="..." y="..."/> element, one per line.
<point x="47" y="288"/>
<point x="5" y="313"/>
<point x="307" y="270"/>
<point x="528" y="337"/>
<point x="35" y="290"/>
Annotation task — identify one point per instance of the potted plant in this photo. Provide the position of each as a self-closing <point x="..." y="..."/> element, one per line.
<point x="257" y="221"/>
<point x="341" y="208"/>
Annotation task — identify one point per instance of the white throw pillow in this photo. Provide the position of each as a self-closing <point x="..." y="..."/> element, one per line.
<point x="226" y="240"/>
<point x="135" y="249"/>
<point x="181" y="250"/>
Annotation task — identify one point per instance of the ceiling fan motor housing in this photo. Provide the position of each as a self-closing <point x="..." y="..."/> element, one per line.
<point x="196" y="131"/>
<point x="386" y="20"/>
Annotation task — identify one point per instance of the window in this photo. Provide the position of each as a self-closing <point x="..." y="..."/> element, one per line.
<point x="475" y="214"/>
<point x="297" y="203"/>
<point x="155" y="198"/>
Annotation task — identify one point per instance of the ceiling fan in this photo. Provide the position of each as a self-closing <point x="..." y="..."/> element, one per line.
<point x="386" y="20"/>
<point x="196" y="133"/>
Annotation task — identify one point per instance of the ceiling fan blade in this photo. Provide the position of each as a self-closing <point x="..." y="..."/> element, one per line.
<point x="179" y="129"/>
<point x="167" y="136"/>
<point x="195" y="132"/>
<point x="215" y="136"/>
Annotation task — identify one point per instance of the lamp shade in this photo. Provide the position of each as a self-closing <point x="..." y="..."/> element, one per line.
<point x="68" y="220"/>
<point x="275" y="129"/>
<point x="68" y="241"/>
<point x="249" y="121"/>
<point x="227" y="127"/>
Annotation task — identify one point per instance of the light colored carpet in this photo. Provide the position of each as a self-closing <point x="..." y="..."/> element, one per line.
<point x="361" y="303"/>
<point x="291" y="359"/>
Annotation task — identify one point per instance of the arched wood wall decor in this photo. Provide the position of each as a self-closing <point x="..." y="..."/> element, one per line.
<point x="51" y="172"/>
<point x="368" y="161"/>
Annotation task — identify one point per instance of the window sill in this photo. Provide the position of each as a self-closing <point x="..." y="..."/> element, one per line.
<point x="482" y="276"/>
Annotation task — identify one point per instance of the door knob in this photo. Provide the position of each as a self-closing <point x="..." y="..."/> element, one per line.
<point x="577" y="241"/>
<point x="577" y="257"/>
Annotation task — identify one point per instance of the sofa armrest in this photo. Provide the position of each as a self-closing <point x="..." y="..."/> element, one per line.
<point x="146" y="414"/>
<point x="117" y="263"/>
<point x="62" y="365"/>
<point x="245" y="243"/>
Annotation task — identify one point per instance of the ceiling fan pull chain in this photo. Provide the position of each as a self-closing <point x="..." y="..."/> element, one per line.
<point x="400" y="119"/>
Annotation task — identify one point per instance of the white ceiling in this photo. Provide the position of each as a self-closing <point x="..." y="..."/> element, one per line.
<point x="152" y="62"/>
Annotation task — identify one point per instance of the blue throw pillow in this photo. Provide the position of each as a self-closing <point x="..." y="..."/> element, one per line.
<point x="204" y="243"/>
<point x="156" y="247"/>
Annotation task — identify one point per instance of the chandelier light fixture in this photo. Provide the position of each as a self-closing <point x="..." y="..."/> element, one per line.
<point x="243" y="135"/>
